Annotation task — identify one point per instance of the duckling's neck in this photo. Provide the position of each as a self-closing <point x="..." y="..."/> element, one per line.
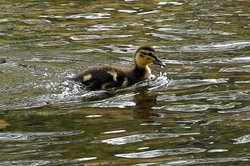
<point x="144" y="69"/>
<point x="139" y="73"/>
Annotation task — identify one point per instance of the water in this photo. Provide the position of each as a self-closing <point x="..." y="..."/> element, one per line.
<point x="193" y="112"/>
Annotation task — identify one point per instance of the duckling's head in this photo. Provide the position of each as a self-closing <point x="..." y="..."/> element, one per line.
<point x="145" y="55"/>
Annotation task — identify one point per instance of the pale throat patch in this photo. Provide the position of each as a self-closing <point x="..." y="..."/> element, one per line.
<point x="87" y="77"/>
<point x="148" y="72"/>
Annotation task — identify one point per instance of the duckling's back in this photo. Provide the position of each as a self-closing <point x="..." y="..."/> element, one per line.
<point x="103" y="78"/>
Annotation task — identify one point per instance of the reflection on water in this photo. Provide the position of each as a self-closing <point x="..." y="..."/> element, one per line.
<point x="193" y="112"/>
<point x="144" y="103"/>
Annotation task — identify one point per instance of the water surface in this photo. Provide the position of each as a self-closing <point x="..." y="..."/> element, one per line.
<point x="193" y="112"/>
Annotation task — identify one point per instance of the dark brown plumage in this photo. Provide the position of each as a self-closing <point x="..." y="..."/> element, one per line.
<point x="110" y="77"/>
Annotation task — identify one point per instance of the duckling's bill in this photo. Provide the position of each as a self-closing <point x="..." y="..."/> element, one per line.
<point x="159" y="62"/>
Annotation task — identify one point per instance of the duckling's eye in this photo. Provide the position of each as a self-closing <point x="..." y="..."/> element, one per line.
<point x="141" y="55"/>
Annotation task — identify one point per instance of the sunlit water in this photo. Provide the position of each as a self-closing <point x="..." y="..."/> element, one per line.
<point x="193" y="112"/>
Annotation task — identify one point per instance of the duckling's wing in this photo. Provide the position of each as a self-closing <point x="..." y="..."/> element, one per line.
<point x="102" y="78"/>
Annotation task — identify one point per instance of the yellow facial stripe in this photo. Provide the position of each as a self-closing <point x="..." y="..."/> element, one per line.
<point x="146" y="51"/>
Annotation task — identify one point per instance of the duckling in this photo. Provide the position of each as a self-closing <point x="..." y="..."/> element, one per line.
<point x="111" y="77"/>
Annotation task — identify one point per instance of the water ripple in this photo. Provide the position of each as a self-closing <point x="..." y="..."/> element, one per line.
<point x="36" y="21"/>
<point x="90" y="16"/>
<point x="215" y="14"/>
<point x="170" y="3"/>
<point x="243" y="139"/>
<point x="91" y="50"/>
<point x="47" y="162"/>
<point x="212" y="96"/>
<point x="166" y="37"/>
<point x="127" y="11"/>
<point x="122" y="48"/>
<point x="215" y="47"/>
<point x="29" y="136"/>
<point x="3" y="20"/>
<point x="217" y="150"/>
<point x="109" y="9"/>
<point x="143" y="137"/>
<point x="192" y="107"/>
<point x="103" y="27"/>
<point x="241" y="59"/>
<point x="120" y="101"/>
<point x="114" y="132"/>
<point x="96" y="37"/>
<point x="161" y="152"/>
<point x="52" y="43"/>
<point x="188" y="83"/>
<point x="192" y="32"/>
<point x="244" y="69"/>
<point x="199" y="161"/>
<point x="155" y="82"/>
<point x="244" y="109"/>
<point x="149" y="12"/>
